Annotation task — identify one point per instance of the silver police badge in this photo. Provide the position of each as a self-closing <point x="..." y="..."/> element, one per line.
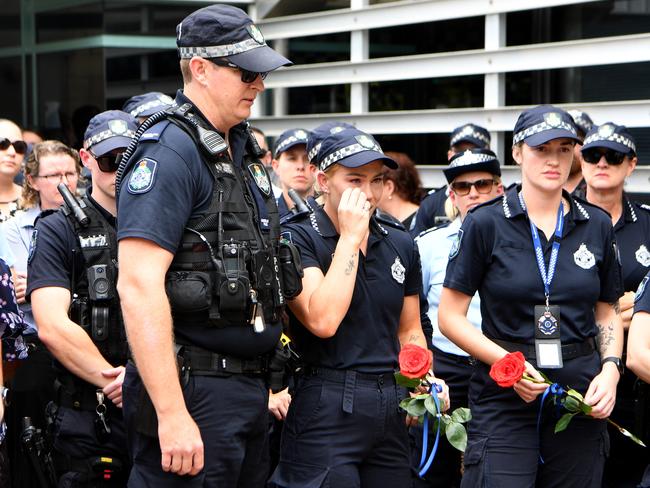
<point x="258" y="173"/>
<point x="547" y="323"/>
<point x="118" y="126"/>
<point x="467" y="130"/>
<point x="553" y="119"/>
<point x="300" y="134"/>
<point x="398" y="271"/>
<point x="605" y="130"/>
<point x="255" y="33"/>
<point x="583" y="257"/>
<point x="643" y="256"/>
<point x="337" y="129"/>
<point x="365" y="141"/>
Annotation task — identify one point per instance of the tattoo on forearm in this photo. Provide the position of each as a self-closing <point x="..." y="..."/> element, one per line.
<point x="414" y="338"/>
<point x="617" y="307"/>
<point x="605" y="337"/>
<point x="350" y="267"/>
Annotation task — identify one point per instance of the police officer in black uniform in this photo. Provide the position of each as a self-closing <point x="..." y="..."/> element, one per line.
<point x="72" y="269"/>
<point x="359" y="303"/>
<point x="546" y="269"/>
<point x="609" y="157"/>
<point x="432" y="208"/>
<point x="199" y="282"/>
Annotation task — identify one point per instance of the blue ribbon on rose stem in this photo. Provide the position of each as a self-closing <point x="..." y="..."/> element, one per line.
<point x="557" y="391"/>
<point x="424" y="466"/>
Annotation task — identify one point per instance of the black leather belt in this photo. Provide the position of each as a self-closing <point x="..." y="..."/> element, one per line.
<point x="202" y="362"/>
<point x="340" y="375"/>
<point x="569" y="351"/>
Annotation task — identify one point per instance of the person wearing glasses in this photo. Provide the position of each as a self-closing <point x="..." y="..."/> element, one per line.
<point x="72" y="269"/>
<point x="48" y="164"/>
<point x="198" y="232"/>
<point x="12" y="152"/>
<point x="546" y="269"/>
<point x="609" y="157"/>
<point x="474" y="177"/>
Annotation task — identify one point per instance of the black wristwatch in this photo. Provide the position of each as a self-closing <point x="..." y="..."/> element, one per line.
<point x="616" y="361"/>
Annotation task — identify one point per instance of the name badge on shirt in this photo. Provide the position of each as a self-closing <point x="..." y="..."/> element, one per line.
<point x="548" y="345"/>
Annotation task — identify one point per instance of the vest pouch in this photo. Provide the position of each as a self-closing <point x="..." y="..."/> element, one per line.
<point x="291" y="272"/>
<point x="189" y="291"/>
<point x="234" y="293"/>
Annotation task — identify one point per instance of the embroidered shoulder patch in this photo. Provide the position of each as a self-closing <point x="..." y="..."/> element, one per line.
<point x="641" y="289"/>
<point x="32" y="246"/>
<point x="258" y="172"/>
<point x="455" y="247"/>
<point x="142" y="177"/>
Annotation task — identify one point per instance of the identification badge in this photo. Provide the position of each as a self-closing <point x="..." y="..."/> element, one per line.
<point x="548" y="345"/>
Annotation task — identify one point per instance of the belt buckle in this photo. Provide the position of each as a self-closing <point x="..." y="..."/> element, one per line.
<point x="219" y="363"/>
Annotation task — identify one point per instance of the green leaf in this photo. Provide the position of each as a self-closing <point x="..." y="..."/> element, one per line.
<point x="446" y="419"/>
<point x="586" y="409"/>
<point x="457" y="435"/>
<point x="461" y="415"/>
<point x="402" y="380"/>
<point x="571" y="404"/>
<point x="430" y="405"/>
<point x="627" y="433"/>
<point x="416" y="408"/>
<point x="575" y="394"/>
<point x="563" y="423"/>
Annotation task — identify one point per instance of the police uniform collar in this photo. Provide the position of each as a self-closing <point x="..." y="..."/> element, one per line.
<point x="105" y="213"/>
<point x="321" y="223"/>
<point x="629" y="213"/>
<point x="512" y="206"/>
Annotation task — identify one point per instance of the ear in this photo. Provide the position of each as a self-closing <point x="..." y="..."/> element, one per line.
<point x="323" y="181"/>
<point x="389" y="187"/>
<point x="274" y="164"/>
<point x="452" y="197"/>
<point x="450" y="153"/>
<point x="86" y="158"/>
<point x="517" y="154"/>
<point x="33" y="182"/>
<point x="500" y="189"/>
<point x="199" y="67"/>
<point x="631" y="165"/>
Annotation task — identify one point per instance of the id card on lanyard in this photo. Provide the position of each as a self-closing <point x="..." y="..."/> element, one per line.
<point x="548" y="343"/>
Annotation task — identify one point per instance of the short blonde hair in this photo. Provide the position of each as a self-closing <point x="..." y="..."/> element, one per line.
<point x="186" y="72"/>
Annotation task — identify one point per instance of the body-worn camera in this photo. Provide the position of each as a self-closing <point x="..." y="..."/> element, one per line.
<point x="99" y="285"/>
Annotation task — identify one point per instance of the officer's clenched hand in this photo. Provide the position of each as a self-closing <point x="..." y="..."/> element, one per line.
<point x="354" y="215"/>
<point x="20" y="286"/>
<point x="114" y="389"/>
<point x="279" y="403"/>
<point x="181" y="445"/>
<point x="601" y="394"/>
<point x="527" y="390"/>
<point x="626" y="302"/>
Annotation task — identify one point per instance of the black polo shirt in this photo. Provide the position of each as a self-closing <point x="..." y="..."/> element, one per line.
<point x="496" y="257"/>
<point x="180" y="189"/>
<point x="633" y="238"/>
<point x="366" y="340"/>
<point x="642" y="296"/>
<point x="431" y="207"/>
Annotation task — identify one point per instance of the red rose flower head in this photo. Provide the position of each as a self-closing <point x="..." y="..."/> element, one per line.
<point x="509" y="369"/>
<point x="414" y="361"/>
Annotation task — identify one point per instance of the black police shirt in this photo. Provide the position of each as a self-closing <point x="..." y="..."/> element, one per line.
<point x="642" y="296"/>
<point x="431" y="212"/>
<point x="633" y="238"/>
<point x="366" y="340"/>
<point x="495" y="255"/>
<point x="179" y="188"/>
<point x="55" y="254"/>
<point x="283" y="208"/>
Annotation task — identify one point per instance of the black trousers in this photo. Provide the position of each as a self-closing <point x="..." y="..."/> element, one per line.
<point x="445" y="472"/>
<point x="504" y="447"/>
<point x="344" y="433"/>
<point x="232" y="415"/>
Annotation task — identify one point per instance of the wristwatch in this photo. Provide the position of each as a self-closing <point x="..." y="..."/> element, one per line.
<point x="4" y="395"/>
<point x="616" y="361"/>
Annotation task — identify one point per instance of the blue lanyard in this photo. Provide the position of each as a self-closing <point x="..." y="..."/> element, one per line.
<point x="547" y="278"/>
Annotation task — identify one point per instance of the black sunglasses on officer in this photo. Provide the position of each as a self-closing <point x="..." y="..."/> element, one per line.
<point x="246" y="76"/>
<point x="595" y="154"/>
<point x="19" y="146"/>
<point x="109" y="162"/>
<point x="611" y="141"/>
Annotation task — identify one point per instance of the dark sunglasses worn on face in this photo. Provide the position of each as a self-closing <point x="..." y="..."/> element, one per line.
<point x="108" y="163"/>
<point x="463" y="188"/>
<point x="593" y="155"/>
<point x="246" y="76"/>
<point x="19" y="146"/>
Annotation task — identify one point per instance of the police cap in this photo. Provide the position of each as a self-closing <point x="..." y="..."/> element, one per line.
<point x="147" y="104"/>
<point x="224" y="31"/>
<point x="288" y="139"/>
<point x="538" y="125"/>
<point x="472" y="133"/>
<point x="351" y="148"/>
<point x="472" y="160"/>
<point x="582" y="121"/>
<point x="317" y="135"/>
<point x="610" y="136"/>
<point x="109" y="130"/>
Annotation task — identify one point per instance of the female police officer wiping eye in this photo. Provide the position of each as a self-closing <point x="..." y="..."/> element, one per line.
<point x="359" y="303"/>
<point x="537" y="251"/>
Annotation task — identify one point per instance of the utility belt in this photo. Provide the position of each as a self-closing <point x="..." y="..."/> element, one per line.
<point x="201" y="362"/>
<point x="83" y="399"/>
<point x="105" y="468"/>
<point x="569" y="351"/>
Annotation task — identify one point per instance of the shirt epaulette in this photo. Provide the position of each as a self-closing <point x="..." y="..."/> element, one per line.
<point x="491" y="202"/>
<point x="643" y="206"/>
<point x="434" y="190"/>
<point x="389" y="220"/>
<point x="432" y="229"/>
<point x="153" y="133"/>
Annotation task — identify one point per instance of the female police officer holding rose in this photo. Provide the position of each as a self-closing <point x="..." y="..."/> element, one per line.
<point x="546" y="270"/>
<point x="359" y="303"/>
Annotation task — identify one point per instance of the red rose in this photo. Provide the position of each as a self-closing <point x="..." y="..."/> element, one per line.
<point x="509" y="369"/>
<point x="414" y="361"/>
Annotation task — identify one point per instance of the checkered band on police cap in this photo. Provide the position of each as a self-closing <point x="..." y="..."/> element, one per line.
<point x="582" y="120"/>
<point x="609" y="132"/>
<point x="109" y="124"/>
<point x="350" y="150"/>
<point x="471" y="133"/>
<point x="468" y="157"/>
<point x="551" y="120"/>
<point x="290" y="138"/>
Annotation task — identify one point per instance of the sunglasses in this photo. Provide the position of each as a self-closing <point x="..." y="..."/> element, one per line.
<point x="593" y="155"/>
<point x="19" y="146"/>
<point x="108" y="163"/>
<point x="463" y="188"/>
<point x="246" y="76"/>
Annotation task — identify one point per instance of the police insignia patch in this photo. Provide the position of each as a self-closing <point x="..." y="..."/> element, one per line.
<point x="32" y="246"/>
<point x="365" y="141"/>
<point x="643" y="256"/>
<point x="142" y="177"/>
<point x="255" y="33"/>
<point x="605" y="130"/>
<point x="641" y="289"/>
<point x="583" y="257"/>
<point x="117" y="126"/>
<point x="553" y="119"/>
<point x="300" y="134"/>
<point x="258" y="172"/>
<point x="455" y="247"/>
<point x="286" y="235"/>
<point x="337" y="129"/>
<point x="398" y="271"/>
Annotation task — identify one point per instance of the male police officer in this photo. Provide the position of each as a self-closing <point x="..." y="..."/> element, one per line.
<point x="72" y="270"/>
<point x="198" y="220"/>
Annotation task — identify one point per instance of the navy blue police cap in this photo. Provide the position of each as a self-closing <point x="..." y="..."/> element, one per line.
<point x="472" y="160"/>
<point x="224" y="31"/>
<point x="109" y="130"/>
<point x="472" y="133"/>
<point x="324" y="130"/>
<point x="147" y="104"/>
<point x="610" y="136"/>
<point x="288" y="139"/>
<point x="582" y="120"/>
<point x="538" y="125"/>
<point x="351" y="148"/>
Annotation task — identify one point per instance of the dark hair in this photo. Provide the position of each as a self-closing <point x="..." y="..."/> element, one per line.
<point x="405" y="178"/>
